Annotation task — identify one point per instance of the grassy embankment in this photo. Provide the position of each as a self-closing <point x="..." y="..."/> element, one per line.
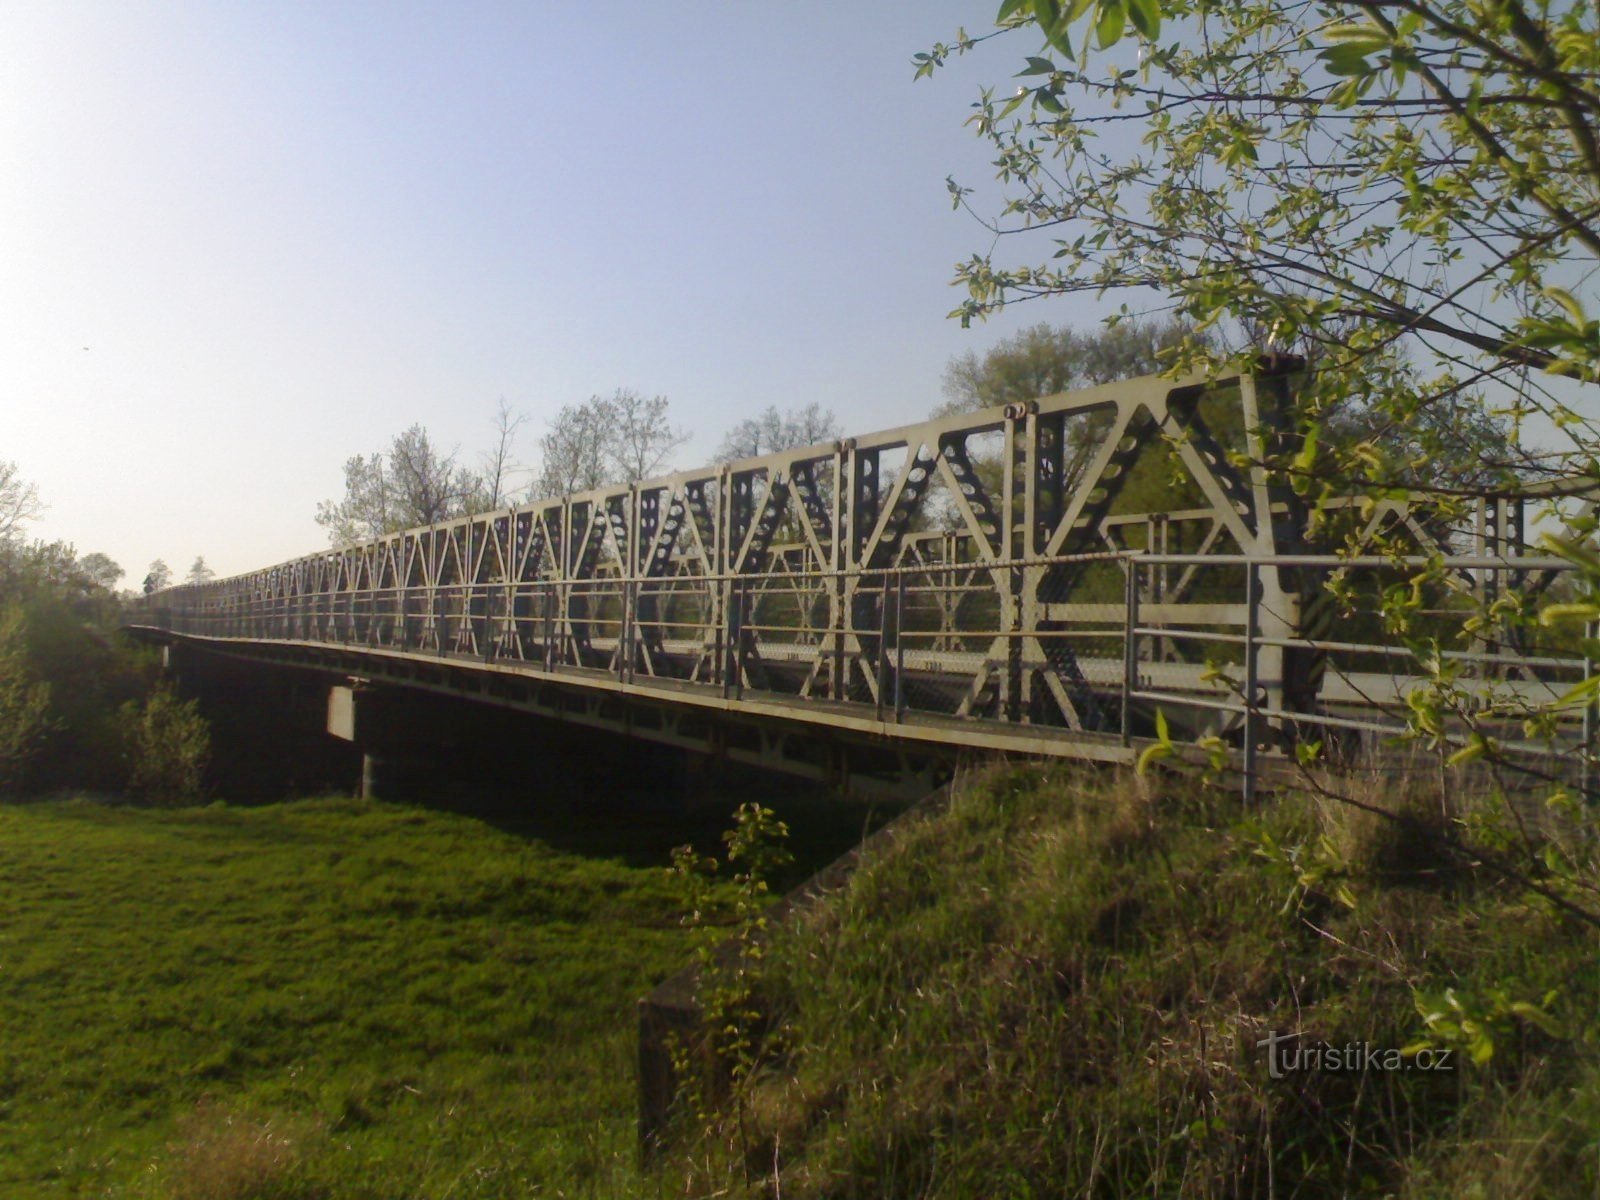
<point x="1057" y="986"/>
<point x="320" y="999"/>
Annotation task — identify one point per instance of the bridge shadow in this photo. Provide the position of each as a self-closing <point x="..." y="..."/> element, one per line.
<point x="637" y="812"/>
<point x="578" y="790"/>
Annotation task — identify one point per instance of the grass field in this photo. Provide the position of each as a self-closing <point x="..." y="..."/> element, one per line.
<point x="321" y="998"/>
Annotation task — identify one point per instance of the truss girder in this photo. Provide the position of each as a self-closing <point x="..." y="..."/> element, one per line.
<point x="965" y="568"/>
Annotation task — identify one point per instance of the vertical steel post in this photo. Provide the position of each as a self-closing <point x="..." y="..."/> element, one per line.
<point x="735" y="682"/>
<point x="625" y="632"/>
<point x="900" y="647"/>
<point x="1252" y="603"/>
<point x="883" y="640"/>
<point x="552" y="598"/>
<point x="1130" y="646"/>
<point x="724" y="625"/>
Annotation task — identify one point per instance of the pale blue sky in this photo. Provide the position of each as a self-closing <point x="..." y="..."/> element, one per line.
<point x="241" y="242"/>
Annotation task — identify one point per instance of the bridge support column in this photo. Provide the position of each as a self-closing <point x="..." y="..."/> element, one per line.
<point x="388" y="776"/>
<point x="390" y="768"/>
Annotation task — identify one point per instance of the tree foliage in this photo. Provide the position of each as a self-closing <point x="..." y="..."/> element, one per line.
<point x="19" y="503"/>
<point x="621" y="438"/>
<point x="572" y="452"/>
<point x="64" y="670"/>
<point x="500" y="461"/>
<point x="642" y="438"/>
<point x="603" y="440"/>
<point x="1361" y="175"/>
<point x="199" y="572"/>
<point x="168" y="745"/>
<point x="771" y="431"/>
<point x="24" y="699"/>
<point x="1044" y="359"/>
<point x="157" y="577"/>
<point x="413" y="483"/>
<point x="1409" y="190"/>
<point x="101" y="569"/>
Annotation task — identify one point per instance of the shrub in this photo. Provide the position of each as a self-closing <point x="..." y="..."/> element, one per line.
<point x="24" y="702"/>
<point x="168" y="745"/>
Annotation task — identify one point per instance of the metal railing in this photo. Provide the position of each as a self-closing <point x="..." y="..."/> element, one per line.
<point x="1071" y="648"/>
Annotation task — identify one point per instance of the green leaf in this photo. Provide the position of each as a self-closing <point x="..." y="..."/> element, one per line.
<point x="1572" y="550"/>
<point x="1146" y="16"/>
<point x="1036" y="66"/>
<point x="1008" y="10"/>
<point x="1537" y="1016"/>
<point x="1582" y="692"/>
<point x="1551" y="613"/>
<point x="1163" y="747"/>
<point x="1567" y="301"/>
<point x="1363" y="38"/>
<point x="1346" y="60"/>
<point x="1151" y="756"/>
<point x="1308" y="450"/>
<point x="1113" y="19"/>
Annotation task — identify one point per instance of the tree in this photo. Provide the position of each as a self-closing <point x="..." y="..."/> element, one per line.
<point x="199" y="572"/>
<point x="101" y="570"/>
<point x="1357" y="174"/>
<point x="168" y="746"/>
<point x="1453" y="442"/>
<point x="1043" y="360"/>
<point x="24" y="699"/>
<point x="412" y="484"/>
<point x="499" y="463"/>
<point x="573" y="452"/>
<point x="19" y="503"/>
<point x="642" y="437"/>
<point x="1410" y="187"/>
<point x="159" y="576"/>
<point x="621" y="438"/>
<point x="771" y="431"/>
<point x="63" y="671"/>
<point x="427" y="485"/>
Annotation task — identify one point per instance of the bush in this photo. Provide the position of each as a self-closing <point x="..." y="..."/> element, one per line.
<point x="64" y="673"/>
<point x="168" y="745"/>
<point x="24" y="702"/>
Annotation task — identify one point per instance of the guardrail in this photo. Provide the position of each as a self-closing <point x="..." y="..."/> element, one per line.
<point x="1073" y="649"/>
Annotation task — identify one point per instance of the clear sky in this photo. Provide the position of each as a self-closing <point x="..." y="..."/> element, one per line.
<point x="241" y="242"/>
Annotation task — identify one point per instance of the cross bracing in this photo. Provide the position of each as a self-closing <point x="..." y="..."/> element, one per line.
<point x="1036" y="578"/>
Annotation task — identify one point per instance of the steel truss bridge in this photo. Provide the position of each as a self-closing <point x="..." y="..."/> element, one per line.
<point x="1037" y="579"/>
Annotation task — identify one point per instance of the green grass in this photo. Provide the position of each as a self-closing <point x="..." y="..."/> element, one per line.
<point x="320" y="998"/>
<point x="1051" y="988"/>
<point x="1056" y="988"/>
